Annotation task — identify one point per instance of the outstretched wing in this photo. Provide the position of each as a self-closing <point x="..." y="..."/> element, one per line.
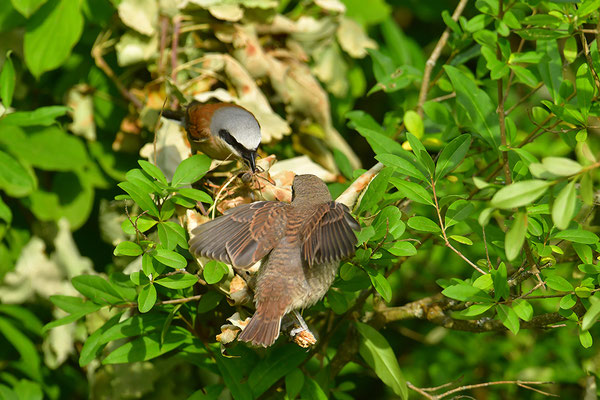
<point x="328" y="235"/>
<point x="242" y="236"/>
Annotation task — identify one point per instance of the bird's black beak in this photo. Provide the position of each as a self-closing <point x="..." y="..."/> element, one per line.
<point x="250" y="158"/>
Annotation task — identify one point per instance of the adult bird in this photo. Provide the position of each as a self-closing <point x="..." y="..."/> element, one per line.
<point x="301" y="245"/>
<point x="220" y="130"/>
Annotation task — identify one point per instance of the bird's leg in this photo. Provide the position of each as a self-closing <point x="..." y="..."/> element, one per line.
<point x="299" y="331"/>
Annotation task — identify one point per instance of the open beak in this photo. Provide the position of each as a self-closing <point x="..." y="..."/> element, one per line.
<point x="250" y="159"/>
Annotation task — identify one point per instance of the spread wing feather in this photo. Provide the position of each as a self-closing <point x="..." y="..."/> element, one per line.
<point x="244" y="235"/>
<point x="328" y="234"/>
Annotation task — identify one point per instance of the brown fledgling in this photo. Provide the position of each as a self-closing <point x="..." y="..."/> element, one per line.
<point x="302" y="244"/>
<point x="220" y="130"/>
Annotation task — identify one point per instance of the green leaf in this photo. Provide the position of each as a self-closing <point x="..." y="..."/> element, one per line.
<point x="153" y="171"/>
<point x="584" y="252"/>
<point x="139" y="324"/>
<point x="585" y="88"/>
<point x="375" y="190"/>
<point x="476" y="309"/>
<point x="452" y="155"/>
<point x="170" y="258"/>
<point x="5" y="213"/>
<point x="92" y="346"/>
<point x="564" y="206"/>
<point x="97" y="289"/>
<point x="177" y="281"/>
<point x="214" y="271"/>
<point x="499" y="277"/>
<point x="412" y="190"/>
<point x="72" y="304"/>
<point x="15" y="180"/>
<point x="312" y="390"/>
<point x="128" y="249"/>
<point x="50" y="35"/>
<point x="591" y="316"/>
<point x="523" y="309"/>
<point x="509" y="318"/>
<point x="568" y="301"/>
<point x="414" y="123"/>
<point x="146" y="347"/>
<point x="550" y="67"/>
<point x="515" y="236"/>
<point x="380" y="283"/>
<point x="69" y="318"/>
<point x="577" y="236"/>
<point x="585" y="338"/>
<point x="142" y="223"/>
<point x="519" y="194"/>
<point x="141" y="197"/>
<point x="273" y="367"/>
<point x="208" y="302"/>
<point x="465" y="292"/>
<point x="147" y="298"/>
<point x="378" y="354"/>
<point x="401" y="165"/>
<point x="293" y="383"/>
<point x="423" y="224"/>
<point x="195" y="194"/>
<point x="233" y="376"/>
<point x="561" y="166"/>
<point x="388" y="221"/>
<point x="172" y="234"/>
<point x="24" y="346"/>
<point x="421" y="153"/>
<point x="27" y="7"/>
<point x="457" y="211"/>
<point x="7" y="81"/>
<point x="461" y="239"/>
<point x="478" y="105"/>
<point x="191" y="170"/>
<point x="559" y="283"/>
<point x="44" y="116"/>
<point x="343" y="163"/>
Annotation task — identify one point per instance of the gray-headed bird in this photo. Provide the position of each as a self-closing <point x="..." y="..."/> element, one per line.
<point x="220" y="130"/>
<point x="301" y="245"/>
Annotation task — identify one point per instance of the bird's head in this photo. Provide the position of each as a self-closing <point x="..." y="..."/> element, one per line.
<point x="239" y="130"/>
<point x="309" y="189"/>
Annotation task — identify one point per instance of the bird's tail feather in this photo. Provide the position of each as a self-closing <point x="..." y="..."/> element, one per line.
<point x="261" y="330"/>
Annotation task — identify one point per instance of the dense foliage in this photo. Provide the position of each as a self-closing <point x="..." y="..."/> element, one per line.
<point x="477" y="263"/>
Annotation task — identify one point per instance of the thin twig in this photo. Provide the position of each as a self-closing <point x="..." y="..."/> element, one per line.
<point x="448" y="244"/>
<point x="435" y="54"/>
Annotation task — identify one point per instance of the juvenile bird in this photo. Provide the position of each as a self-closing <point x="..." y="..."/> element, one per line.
<point x="301" y="243"/>
<point x="220" y="130"/>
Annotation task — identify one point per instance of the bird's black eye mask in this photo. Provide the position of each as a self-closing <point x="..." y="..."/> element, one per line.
<point x="230" y="140"/>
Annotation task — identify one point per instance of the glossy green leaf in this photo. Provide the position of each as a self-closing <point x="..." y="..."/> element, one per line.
<point x="170" y="258"/>
<point x="7" y="81"/>
<point x="50" y="35"/>
<point x="452" y="155"/>
<point x="414" y="123"/>
<point x="523" y="309"/>
<point x="172" y="234"/>
<point x="15" y="180"/>
<point x="591" y="316"/>
<point x="141" y="197"/>
<point x="381" y="284"/>
<point x="577" y="236"/>
<point x="519" y="194"/>
<point x="23" y="345"/>
<point x="559" y="283"/>
<point x="423" y="224"/>
<point x="214" y="271"/>
<point x="401" y="165"/>
<point x="412" y="190"/>
<point x="586" y="339"/>
<point x="146" y="347"/>
<point x="97" y="289"/>
<point x="499" y="277"/>
<point x="93" y="346"/>
<point x="177" y="281"/>
<point x="561" y="166"/>
<point x="273" y="367"/>
<point x="375" y="190"/>
<point x="153" y="171"/>
<point x="509" y="318"/>
<point x="421" y="154"/>
<point x="195" y="194"/>
<point x="27" y="7"/>
<point x="191" y="170"/>
<point x="563" y="208"/>
<point x="378" y="354"/>
<point x="147" y="298"/>
<point x="478" y="105"/>
<point x="294" y="381"/>
<point x="128" y="249"/>
<point x="515" y="236"/>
